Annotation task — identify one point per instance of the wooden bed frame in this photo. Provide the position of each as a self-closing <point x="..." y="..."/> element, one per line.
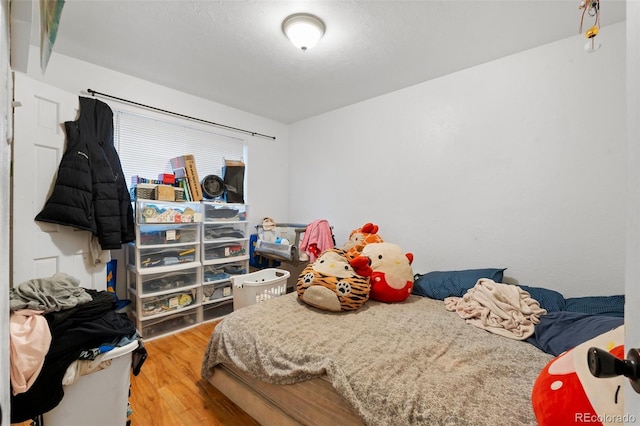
<point x="312" y="402"/>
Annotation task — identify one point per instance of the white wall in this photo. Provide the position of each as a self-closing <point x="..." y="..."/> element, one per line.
<point x="517" y="163"/>
<point x="266" y="166"/>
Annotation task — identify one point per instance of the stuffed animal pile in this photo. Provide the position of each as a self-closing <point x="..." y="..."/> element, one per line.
<point x="365" y="268"/>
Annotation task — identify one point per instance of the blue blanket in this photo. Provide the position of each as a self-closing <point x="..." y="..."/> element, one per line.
<point x="560" y="331"/>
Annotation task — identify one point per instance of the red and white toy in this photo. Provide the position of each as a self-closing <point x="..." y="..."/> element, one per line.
<point x="566" y="393"/>
<point x="392" y="276"/>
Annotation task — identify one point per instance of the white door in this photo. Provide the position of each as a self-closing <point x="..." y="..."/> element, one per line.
<point x="42" y="249"/>
<point x="632" y="289"/>
<point x="5" y="188"/>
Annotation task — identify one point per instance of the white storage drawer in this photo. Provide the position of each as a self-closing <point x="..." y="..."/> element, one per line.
<point x="213" y="292"/>
<point x="165" y="303"/>
<point x="152" y="211"/>
<point x="153" y="235"/>
<point x="145" y="258"/>
<point x="225" y="250"/>
<point x="213" y="273"/>
<point x="230" y="231"/>
<point x="215" y="212"/>
<point x="160" y="282"/>
<point x="168" y="324"/>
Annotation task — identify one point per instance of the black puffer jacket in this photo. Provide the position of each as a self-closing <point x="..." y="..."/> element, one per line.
<point x="90" y="192"/>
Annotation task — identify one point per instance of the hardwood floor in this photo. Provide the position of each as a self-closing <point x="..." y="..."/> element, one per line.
<point x="169" y="390"/>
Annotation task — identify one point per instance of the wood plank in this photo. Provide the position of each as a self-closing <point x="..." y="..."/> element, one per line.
<point x="169" y="389"/>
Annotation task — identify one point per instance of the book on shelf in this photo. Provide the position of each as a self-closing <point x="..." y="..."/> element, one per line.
<point x="181" y="182"/>
<point x="184" y="166"/>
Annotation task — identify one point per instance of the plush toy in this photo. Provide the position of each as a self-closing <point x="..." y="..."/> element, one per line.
<point x="360" y="237"/>
<point x="391" y="276"/>
<point x="335" y="283"/>
<point x="566" y="393"/>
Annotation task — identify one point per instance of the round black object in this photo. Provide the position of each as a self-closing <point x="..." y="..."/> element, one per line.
<point x="212" y="186"/>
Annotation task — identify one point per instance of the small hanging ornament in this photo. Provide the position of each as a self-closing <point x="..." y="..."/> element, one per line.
<point x="592" y="8"/>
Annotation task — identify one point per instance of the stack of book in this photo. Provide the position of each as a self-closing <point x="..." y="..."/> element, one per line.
<point x="186" y="177"/>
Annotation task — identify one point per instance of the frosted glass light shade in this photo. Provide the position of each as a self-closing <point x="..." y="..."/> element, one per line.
<point x="303" y="30"/>
<point x="591" y="46"/>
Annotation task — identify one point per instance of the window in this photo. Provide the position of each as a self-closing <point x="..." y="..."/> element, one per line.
<point x="146" y="144"/>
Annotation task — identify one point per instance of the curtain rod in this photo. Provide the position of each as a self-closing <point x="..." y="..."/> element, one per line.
<point x="211" y="123"/>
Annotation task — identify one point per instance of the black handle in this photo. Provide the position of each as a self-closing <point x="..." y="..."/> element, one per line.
<point x="602" y="364"/>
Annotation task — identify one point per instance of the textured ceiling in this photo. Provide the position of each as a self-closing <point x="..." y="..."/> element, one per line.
<point x="234" y="52"/>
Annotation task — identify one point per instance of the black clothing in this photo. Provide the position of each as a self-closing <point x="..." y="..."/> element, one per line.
<point x="90" y="192"/>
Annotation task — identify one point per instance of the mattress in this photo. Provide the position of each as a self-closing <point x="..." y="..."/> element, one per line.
<point x="393" y="364"/>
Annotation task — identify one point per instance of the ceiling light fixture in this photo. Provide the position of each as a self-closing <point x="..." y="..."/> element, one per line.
<point x="303" y="29"/>
<point x="591" y="8"/>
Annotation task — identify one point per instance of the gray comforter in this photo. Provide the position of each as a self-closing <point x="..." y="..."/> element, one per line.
<point x="397" y="364"/>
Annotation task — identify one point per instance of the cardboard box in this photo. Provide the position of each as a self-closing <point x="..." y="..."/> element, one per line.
<point x="188" y="163"/>
<point x="165" y="193"/>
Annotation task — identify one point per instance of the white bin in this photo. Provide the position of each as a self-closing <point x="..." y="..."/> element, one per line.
<point x="99" y="398"/>
<point x="259" y="286"/>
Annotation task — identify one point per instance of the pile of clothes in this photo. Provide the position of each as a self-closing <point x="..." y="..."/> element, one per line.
<point x="59" y="330"/>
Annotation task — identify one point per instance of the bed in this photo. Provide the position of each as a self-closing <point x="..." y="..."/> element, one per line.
<point x="407" y="363"/>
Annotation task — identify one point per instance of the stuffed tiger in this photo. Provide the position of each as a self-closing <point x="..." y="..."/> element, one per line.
<point x="333" y="283"/>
